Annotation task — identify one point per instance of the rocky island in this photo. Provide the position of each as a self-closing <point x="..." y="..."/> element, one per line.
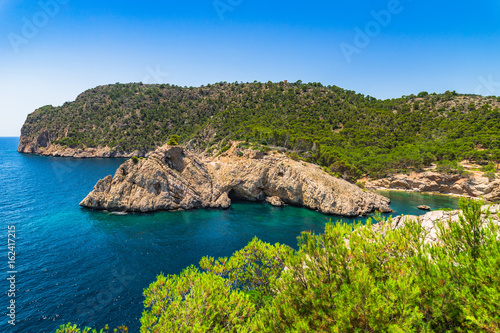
<point x="172" y="178"/>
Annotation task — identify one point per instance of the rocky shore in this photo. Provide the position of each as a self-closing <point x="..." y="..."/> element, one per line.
<point x="429" y="221"/>
<point x="173" y="178"/>
<point x="471" y="185"/>
<point x="55" y="150"/>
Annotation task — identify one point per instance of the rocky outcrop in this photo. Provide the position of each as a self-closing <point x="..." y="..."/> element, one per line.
<point x="472" y="185"/>
<point x="173" y="178"/>
<point x="424" y="207"/>
<point x="430" y="220"/>
<point x="275" y="201"/>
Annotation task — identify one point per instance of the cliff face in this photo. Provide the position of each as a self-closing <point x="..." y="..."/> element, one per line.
<point x="173" y="178"/>
<point x="472" y="185"/>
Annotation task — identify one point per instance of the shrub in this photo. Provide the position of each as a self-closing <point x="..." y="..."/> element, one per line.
<point x="71" y="328"/>
<point x="361" y="184"/>
<point x="490" y="167"/>
<point x="135" y="159"/>
<point x="224" y="149"/>
<point x="174" y="140"/>
<point x="450" y="167"/>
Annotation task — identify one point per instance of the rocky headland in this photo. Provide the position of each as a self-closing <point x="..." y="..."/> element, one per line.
<point x="472" y="185"/>
<point x="43" y="145"/>
<point x="173" y="178"/>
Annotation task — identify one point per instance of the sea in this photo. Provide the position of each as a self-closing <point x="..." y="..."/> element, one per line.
<point x="62" y="263"/>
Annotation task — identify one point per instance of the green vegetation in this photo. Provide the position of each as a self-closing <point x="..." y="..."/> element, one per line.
<point x="174" y="140"/>
<point x="378" y="282"/>
<point x="489" y="171"/>
<point x="69" y="328"/>
<point x="349" y="279"/>
<point x="349" y="133"/>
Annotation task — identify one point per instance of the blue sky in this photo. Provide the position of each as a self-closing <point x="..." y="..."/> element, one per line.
<point x="52" y="50"/>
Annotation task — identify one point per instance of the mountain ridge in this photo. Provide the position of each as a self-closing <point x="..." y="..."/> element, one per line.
<point x="350" y="134"/>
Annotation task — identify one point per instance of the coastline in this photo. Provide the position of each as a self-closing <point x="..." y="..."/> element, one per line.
<point x="60" y="151"/>
<point x="422" y="192"/>
<point x="471" y="185"/>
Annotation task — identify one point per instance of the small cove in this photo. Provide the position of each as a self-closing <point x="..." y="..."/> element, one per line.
<point x="91" y="267"/>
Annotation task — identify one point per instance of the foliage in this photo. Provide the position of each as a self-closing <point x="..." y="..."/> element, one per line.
<point x="174" y="140"/>
<point x="72" y="328"/>
<point x="490" y="167"/>
<point x="224" y="149"/>
<point x="224" y="297"/>
<point x="194" y="301"/>
<point x="451" y="167"/>
<point x="361" y="184"/>
<point x="349" y="279"/>
<point x="252" y="269"/>
<point x="135" y="159"/>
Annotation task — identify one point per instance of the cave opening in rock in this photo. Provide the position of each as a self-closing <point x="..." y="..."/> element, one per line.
<point x="234" y="196"/>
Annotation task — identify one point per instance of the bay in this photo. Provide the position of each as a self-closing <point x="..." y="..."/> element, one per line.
<point x="90" y="268"/>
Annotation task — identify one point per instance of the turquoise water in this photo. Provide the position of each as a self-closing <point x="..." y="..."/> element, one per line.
<point x="91" y="267"/>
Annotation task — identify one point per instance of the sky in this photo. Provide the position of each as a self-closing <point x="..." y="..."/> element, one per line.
<point x="52" y="50"/>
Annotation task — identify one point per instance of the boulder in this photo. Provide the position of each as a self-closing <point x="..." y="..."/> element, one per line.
<point x="275" y="201"/>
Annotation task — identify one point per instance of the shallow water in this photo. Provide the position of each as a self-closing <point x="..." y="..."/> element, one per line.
<point x="90" y="267"/>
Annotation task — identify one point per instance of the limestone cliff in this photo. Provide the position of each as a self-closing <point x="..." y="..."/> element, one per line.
<point x="55" y="150"/>
<point x="43" y="144"/>
<point x="173" y="178"/>
<point x="472" y="185"/>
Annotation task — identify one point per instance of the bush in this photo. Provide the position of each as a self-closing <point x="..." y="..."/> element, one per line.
<point x="450" y="167"/>
<point x="223" y="298"/>
<point x="174" y="140"/>
<point x="71" y="328"/>
<point x="490" y="167"/>
<point x="489" y="171"/>
<point x="135" y="159"/>
<point x="224" y="149"/>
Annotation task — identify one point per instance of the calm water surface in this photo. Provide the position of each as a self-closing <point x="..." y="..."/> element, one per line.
<point x="90" y="268"/>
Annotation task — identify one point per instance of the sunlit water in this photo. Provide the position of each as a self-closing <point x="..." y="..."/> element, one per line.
<point x="90" y="267"/>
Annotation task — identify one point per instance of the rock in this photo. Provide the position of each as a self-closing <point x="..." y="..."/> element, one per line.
<point x="43" y="146"/>
<point x="471" y="185"/>
<point x="424" y="207"/>
<point x="430" y="220"/>
<point x="173" y="178"/>
<point x="275" y="201"/>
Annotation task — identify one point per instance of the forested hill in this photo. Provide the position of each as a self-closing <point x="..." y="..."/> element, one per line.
<point x="349" y="133"/>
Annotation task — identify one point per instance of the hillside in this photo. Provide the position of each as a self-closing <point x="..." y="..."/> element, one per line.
<point x="349" y="133"/>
